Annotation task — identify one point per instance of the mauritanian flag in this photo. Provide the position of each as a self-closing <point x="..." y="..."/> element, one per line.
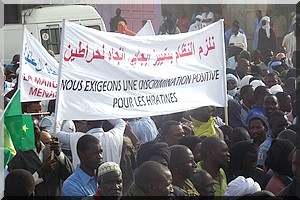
<point x="19" y="126"/>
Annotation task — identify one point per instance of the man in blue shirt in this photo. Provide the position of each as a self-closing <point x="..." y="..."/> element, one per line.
<point x="84" y="180"/>
<point x="259" y="93"/>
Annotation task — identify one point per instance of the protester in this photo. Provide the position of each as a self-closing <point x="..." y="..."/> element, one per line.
<point x="203" y="183"/>
<point x="109" y="180"/>
<point x="277" y="122"/>
<point x="194" y="144"/>
<point x="279" y="160"/>
<point x="19" y="182"/>
<point x="259" y="93"/>
<point x="183" y="22"/>
<point x="208" y="16"/>
<point x="170" y="132"/>
<point x="291" y="189"/>
<point x="182" y="167"/>
<point x="115" y="20"/>
<point x="243" y="163"/>
<point x="239" y="134"/>
<point x="83" y="182"/>
<point x="48" y="172"/>
<point x="237" y="38"/>
<point x="214" y="157"/>
<point x="258" y="128"/>
<point x="266" y="36"/>
<point x="151" y="179"/>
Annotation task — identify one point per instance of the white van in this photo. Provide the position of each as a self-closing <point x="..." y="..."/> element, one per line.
<point x="45" y="23"/>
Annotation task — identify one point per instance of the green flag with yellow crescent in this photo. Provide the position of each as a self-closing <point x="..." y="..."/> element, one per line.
<point x="19" y="127"/>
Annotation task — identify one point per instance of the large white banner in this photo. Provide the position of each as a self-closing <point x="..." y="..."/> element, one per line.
<point x="110" y="75"/>
<point x="39" y="71"/>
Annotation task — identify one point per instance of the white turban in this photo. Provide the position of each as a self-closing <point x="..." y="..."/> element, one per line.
<point x="245" y="80"/>
<point x="242" y="186"/>
<point x="231" y="77"/>
<point x="276" y="88"/>
<point x="256" y="83"/>
<point x="267" y="25"/>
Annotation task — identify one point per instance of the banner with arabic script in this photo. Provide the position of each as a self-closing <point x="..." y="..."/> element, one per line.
<point x="39" y="71"/>
<point x="111" y="75"/>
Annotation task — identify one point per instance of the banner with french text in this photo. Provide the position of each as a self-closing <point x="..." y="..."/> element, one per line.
<point x="111" y="75"/>
<point x="39" y="71"/>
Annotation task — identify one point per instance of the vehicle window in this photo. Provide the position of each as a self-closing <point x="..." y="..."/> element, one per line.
<point x="51" y="38"/>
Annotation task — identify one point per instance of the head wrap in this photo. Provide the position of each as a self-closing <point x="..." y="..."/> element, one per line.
<point x="256" y="83"/>
<point x="152" y="148"/>
<point x="242" y="186"/>
<point x="231" y="77"/>
<point x="267" y="25"/>
<point x="245" y="80"/>
<point x="108" y="167"/>
<point x="276" y="88"/>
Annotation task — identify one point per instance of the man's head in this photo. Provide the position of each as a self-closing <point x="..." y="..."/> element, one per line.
<point x="270" y="104"/>
<point x="206" y="8"/>
<point x="259" y="93"/>
<point x="235" y="29"/>
<point x="155" y="151"/>
<point x="118" y="11"/>
<point x="243" y="158"/>
<point x="19" y="182"/>
<point x="268" y="56"/>
<point x="243" y="67"/>
<point x="89" y="152"/>
<point x="278" y="122"/>
<point x="32" y="107"/>
<point x="215" y="150"/>
<point x="204" y="183"/>
<point x="255" y="55"/>
<point x="279" y="157"/>
<point x="45" y="137"/>
<point x="271" y="79"/>
<point x="110" y="179"/>
<point x="258" y="128"/>
<point x="284" y="101"/>
<point x="247" y="95"/>
<point x="182" y="162"/>
<point x="193" y="143"/>
<point x="258" y="14"/>
<point x="239" y="134"/>
<point x="171" y="131"/>
<point x="154" y="179"/>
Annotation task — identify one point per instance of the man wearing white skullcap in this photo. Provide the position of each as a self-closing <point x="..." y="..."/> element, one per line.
<point x="242" y="186"/>
<point x="109" y="180"/>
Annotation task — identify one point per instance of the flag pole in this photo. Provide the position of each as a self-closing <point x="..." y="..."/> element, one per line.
<point x="225" y="82"/>
<point x="59" y="80"/>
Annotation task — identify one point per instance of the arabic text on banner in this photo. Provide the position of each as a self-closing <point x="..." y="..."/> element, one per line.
<point x="39" y="71"/>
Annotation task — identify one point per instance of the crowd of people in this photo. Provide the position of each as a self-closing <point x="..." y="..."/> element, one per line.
<point x="249" y="149"/>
